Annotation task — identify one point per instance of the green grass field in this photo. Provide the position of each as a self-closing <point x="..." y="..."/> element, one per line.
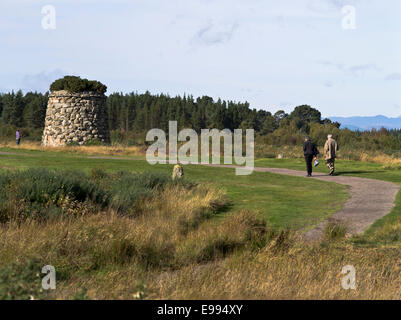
<point x="284" y="201"/>
<point x="185" y="243"/>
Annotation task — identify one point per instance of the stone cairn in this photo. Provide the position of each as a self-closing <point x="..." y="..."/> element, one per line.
<point x="75" y="118"/>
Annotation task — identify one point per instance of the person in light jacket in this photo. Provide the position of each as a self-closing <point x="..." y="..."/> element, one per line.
<point x="330" y="152"/>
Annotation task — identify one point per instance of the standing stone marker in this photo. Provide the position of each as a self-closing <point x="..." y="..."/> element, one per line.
<point x="178" y="172"/>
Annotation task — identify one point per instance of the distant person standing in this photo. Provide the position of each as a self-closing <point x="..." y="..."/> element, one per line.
<point x="330" y="150"/>
<point x="310" y="151"/>
<point x="18" y="137"/>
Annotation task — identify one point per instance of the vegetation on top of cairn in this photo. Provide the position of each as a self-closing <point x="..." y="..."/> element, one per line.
<point x="75" y="84"/>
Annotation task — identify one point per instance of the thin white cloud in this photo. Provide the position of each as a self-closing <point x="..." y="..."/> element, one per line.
<point x="393" y="77"/>
<point x="329" y="6"/>
<point x="354" y="70"/>
<point x="41" y="81"/>
<point x="357" y="70"/>
<point x="215" y="33"/>
<point x="211" y="47"/>
<point x="328" y="84"/>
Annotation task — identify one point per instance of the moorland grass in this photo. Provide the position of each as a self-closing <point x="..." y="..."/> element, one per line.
<point x="163" y="254"/>
<point x="174" y="230"/>
<point x="199" y="242"/>
<point x="283" y="201"/>
<point x="41" y="194"/>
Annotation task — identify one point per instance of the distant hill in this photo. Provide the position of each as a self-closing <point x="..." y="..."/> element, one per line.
<point x="368" y="123"/>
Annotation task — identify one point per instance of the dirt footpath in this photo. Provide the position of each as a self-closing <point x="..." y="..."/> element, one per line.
<point x="369" y="200"/>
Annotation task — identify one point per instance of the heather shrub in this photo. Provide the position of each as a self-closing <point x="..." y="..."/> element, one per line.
<point x="21" y="281"/>
<point x="41" y="194"/>
<point x="75" y="84"/>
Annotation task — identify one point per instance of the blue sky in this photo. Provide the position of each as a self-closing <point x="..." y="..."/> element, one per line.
<point x="274" y="54"/>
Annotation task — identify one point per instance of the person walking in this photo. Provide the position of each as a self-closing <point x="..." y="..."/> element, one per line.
<point x="330" y="150"/>
<point x="310" y="152"/>
<point x="17" y="137"/>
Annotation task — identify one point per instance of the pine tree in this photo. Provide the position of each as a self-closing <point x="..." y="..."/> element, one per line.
<point x="13" y="108"/>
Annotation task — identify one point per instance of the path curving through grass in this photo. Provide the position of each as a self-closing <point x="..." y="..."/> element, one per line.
<point x="369" y="200"/>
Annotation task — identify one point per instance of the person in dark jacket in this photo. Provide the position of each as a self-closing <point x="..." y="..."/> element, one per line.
<point x="310" y="152"/>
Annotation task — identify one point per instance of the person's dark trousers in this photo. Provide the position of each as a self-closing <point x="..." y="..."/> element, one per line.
<point x="308" y="160"/>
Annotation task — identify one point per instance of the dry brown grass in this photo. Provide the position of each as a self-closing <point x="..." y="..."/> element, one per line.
<point x="285" y="152"/>
<point x="304" y="271"/>
<point x="261" y="151"/>
<point x="295" y="152"/>
<point x="173" y="251"/>
<point x="172" y="231"/>
<point x="88" y="150"/>
<point x="372" y="156"/>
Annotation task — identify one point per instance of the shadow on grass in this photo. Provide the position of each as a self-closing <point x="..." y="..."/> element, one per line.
<point x="342" y="173"/>
<point x="224" y="209"/>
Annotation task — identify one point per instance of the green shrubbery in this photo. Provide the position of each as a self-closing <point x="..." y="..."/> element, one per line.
<point x="41" y="194"/>
<point x="133" y="187"/>
<point x="7" y="133"/>
<point x="21" y="281"/>
<point x="76" y="84"/>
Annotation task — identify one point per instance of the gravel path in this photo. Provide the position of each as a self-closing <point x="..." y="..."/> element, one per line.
<point x="370" y="200"/>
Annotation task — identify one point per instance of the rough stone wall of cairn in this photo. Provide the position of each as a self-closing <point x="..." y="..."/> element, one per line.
<point x="75" y="118"/>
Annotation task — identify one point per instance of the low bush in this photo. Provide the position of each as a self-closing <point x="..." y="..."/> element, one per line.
<point x="41" y="194"/>
<point x="21" y="281"/>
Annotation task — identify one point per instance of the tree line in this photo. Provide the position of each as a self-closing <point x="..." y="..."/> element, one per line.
<point x="131" y="115"/>
<point x="23" y="110"/>
<point x="142" y="112"/>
